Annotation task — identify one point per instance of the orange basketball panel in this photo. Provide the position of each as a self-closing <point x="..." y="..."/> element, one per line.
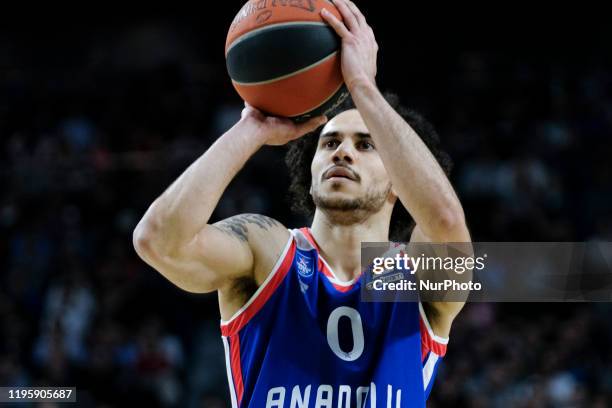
<point x="260" y="13"/>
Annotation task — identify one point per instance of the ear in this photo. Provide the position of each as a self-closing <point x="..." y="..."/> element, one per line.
<point x="310" y="190"/>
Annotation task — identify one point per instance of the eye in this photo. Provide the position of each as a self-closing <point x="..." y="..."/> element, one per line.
<point x="365" y="145"/>
<point x="331" y="143"/>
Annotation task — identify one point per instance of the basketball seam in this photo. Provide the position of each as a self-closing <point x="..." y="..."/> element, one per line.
<point x="279" y="78"/>
<point x="252" y="33"/>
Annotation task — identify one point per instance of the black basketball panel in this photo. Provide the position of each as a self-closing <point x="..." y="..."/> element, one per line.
<point x="276" y="51"/>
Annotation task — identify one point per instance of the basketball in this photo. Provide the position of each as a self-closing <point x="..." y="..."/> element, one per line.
<point x="284" y="59"/>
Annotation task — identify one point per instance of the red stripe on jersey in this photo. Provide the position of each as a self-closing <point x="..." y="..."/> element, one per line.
<point x="236" y="366"/>
<point x="342" y="288"/>
<point x="428" y="344"/>
<point x="234" y="326"/>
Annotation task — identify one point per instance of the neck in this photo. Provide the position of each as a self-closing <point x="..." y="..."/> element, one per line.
<point x="340" y="243"/>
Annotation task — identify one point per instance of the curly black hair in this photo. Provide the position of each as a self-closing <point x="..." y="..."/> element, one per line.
<point x="301" y="152"/>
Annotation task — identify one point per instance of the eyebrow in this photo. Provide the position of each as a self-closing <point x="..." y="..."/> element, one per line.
<point x="360" y="135"/>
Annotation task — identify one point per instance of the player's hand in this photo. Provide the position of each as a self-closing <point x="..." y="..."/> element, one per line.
<point x="359" y="47"/>
<point x="275" y="131"/>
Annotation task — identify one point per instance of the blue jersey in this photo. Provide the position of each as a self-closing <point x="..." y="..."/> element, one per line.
<point x="305" y="339"/>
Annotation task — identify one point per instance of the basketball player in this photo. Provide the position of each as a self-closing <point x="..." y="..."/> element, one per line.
<point x="295" y="330"/>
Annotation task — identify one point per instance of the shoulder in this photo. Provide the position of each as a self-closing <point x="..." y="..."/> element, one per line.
<point x="266" y="238"/>
<point x="251" y="227"/>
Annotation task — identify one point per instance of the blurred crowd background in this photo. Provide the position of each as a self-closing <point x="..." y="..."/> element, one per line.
<point x="97" y="119"/>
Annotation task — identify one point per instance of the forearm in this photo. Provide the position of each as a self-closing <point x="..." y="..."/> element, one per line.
<point x="416" y="176"/>
<point x="185" y="207"/>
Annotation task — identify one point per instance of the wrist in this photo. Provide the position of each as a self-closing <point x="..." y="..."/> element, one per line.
<point x="361" y="84"/>
<point x="247" y="134"/>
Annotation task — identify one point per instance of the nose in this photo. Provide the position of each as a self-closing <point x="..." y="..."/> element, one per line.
<point x="344" y="153"/>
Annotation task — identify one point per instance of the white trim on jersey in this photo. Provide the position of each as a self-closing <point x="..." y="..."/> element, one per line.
<point x="428" y="369"/>
<point x="230" y="377"/>
<point x="334" y="278"/>
<point x="264" y="284"/>
<point x="434" y="337"/>
<point x="301" y="240"/>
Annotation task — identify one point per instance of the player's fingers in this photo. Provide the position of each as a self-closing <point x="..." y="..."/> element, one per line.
<point x="248" y="106"/>
<point x="373" y="38"/>
<point x="254" y="109"/>
<point x="336" y="24"/>
<point x="349" y="17"/>
<point x="356" y="12"/>
<point x="251" y="110"/>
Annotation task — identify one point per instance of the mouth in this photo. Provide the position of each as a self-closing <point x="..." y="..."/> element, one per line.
<point x="340" y="173"/>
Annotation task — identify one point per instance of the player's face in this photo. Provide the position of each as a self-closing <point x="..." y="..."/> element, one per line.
<point x="347" y="171"/>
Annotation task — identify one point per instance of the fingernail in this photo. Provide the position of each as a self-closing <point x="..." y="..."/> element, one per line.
<point x="324" y="12"/>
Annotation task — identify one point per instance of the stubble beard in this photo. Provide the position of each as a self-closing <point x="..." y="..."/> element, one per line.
<point x="347" y="211"/>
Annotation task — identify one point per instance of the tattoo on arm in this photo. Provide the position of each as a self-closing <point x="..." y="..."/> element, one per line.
<point x="238" y="225"/>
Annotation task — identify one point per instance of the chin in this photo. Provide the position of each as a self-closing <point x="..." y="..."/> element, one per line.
<point x="339" y="185"/>
<point x="343" y="193"/>
<point x="338" y="197"/>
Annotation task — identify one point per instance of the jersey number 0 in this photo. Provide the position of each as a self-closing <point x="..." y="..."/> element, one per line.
<point x="356" y="330"/>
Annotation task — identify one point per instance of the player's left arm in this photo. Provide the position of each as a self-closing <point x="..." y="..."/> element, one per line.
<point x="417" y="178"/>
<point x="441" y="314"/>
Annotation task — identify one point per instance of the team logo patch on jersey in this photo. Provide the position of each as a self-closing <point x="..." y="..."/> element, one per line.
<point x="304" y="265"/>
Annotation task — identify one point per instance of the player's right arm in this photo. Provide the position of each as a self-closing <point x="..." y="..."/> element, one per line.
<point x="175" y="237"/>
